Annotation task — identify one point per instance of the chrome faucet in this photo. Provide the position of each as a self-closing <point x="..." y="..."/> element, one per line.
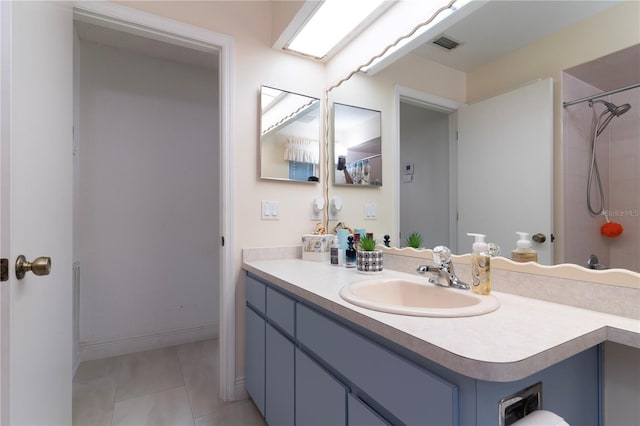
<point x="442" y="256"/>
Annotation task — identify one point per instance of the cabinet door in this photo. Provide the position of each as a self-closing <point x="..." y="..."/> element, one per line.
<point x="255" y="351"/>
<point x="279" y="395"/>
<point x="361" y="415"/>
<point x="320" y="399"/>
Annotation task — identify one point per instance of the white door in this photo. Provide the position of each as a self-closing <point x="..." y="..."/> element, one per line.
<point x="505" y="168"/>
<point x="36" y="210"/>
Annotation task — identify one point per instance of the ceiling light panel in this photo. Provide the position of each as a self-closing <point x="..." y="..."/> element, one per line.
<point x="333" y="22"/>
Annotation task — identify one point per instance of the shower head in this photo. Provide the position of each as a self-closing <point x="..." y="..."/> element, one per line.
<point x="621" y="109"/>
<point x="614" y="109"/>
<point x="611" y="111"/>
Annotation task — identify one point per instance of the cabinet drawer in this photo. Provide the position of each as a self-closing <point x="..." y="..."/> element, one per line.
<point x="281" y="310"/>
<point x="255" y="293"/>
<point x="412" y="394"/>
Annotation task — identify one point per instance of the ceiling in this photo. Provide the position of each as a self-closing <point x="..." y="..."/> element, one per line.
<point x="500" y="27"/>
<point x="619" y="69"/>
<point x="145" y="46"/>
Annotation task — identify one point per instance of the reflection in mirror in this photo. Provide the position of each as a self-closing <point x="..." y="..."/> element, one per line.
<point x="357" y="146"/>
<point x="487" y="75"/>
<point x="289" y="136"/>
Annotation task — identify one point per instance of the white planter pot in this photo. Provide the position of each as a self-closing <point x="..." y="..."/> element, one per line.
<point x="369" y="261"/>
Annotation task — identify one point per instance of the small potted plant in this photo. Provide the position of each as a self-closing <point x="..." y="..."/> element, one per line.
<point x="414" y="240"/>
<point x="368" y="259"/>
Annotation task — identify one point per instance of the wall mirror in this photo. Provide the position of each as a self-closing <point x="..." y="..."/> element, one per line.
<point x="289" y="136"/>
<point x="410" y="71"/>
<point x="357" y="146"/>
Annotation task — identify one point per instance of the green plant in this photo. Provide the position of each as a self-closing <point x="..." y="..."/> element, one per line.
<point x="367" y="244"/>
<point x="414" y="240"/>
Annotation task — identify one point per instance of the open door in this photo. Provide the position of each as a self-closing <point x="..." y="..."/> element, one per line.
<point x="505" y="168"/>
<point x="36" y="190"/>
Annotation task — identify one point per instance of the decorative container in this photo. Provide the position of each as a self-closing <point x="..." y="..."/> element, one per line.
<point x="369" y="261"/>
<point x="316" y="247"/>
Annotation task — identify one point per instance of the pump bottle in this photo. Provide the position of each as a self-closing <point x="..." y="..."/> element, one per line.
<point x="524" y="252"/>
<point x="480" y="265"/>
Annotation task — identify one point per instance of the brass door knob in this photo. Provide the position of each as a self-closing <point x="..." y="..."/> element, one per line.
<point x="40" y="266"/>
<point x="539" y="238"/>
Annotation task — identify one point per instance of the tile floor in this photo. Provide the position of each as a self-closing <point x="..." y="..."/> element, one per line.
<point x="171" y="386"/>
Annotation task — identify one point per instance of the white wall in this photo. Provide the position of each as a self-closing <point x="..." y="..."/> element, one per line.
<point x="424" y="202"/>
<point x="149" y="222"/>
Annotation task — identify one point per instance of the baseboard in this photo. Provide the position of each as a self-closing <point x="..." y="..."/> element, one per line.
<point x="105" y="349"/>
<point x="240" y="389"/>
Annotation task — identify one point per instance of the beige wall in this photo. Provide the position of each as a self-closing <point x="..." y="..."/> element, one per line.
<point x="607" y="32"/>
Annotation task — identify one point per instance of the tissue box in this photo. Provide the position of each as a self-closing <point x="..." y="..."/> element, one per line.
<point x="316" y="247"/>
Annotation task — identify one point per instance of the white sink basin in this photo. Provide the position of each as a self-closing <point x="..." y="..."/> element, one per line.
<point x="405" y="297"/>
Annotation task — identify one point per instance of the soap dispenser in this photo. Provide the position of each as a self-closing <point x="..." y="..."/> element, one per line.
<point x="524" y="252"/>
<point x="480" y="265"/>
<point x="337" y="254"/>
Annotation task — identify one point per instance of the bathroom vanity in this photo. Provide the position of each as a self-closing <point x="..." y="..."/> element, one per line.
<point x="313" y="358"/>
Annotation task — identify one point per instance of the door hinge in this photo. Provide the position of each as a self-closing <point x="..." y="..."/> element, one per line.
<point x="4" y="269"/>
<point x="222" y="240"/>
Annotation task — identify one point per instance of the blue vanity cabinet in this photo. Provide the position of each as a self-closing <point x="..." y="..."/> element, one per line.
<point x="307" y="366"/>
<point x="320" y="398"/>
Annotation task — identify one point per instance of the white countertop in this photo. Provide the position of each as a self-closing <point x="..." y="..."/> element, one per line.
<point x="521" y="338"/>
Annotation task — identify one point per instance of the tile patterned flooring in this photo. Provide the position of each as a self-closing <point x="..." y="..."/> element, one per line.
<point x="171" y="386"/>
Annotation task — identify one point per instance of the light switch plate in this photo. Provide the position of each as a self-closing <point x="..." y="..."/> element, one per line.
<point x="270" y="210"/>
<point x="370" y="212"/>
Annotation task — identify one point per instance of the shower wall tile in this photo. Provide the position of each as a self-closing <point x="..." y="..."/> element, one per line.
<point x="625" y="181"/>
<point x="582" y="230"/>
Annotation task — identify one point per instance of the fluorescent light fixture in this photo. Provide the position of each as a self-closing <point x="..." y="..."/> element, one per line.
<point x="332" y="22"/>
<point x="372" y="67"/>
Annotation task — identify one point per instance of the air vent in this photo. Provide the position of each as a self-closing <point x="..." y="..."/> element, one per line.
<point x="446" y="42"/>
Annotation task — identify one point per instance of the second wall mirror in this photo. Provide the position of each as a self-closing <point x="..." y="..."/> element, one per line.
<point x="357" y="146"/>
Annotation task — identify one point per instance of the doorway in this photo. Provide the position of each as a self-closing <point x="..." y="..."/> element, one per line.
<point x="425" y="168"/>
<point x="192" y="45"/>
<point x="424" y="179"/>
